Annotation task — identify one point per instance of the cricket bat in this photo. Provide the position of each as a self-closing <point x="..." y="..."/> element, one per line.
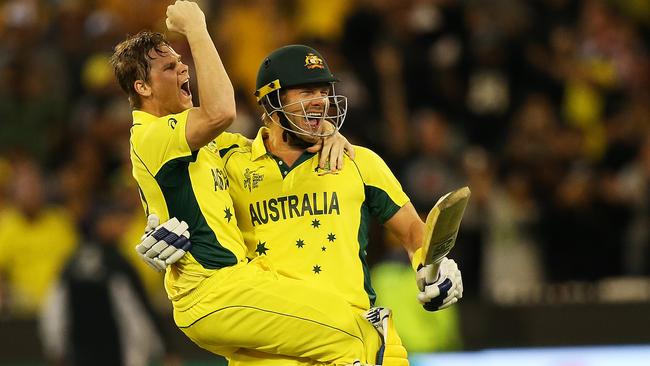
<point x="442" y="226"/>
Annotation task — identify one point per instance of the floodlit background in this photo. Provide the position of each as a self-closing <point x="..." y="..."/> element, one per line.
<point x="542" y="107"/>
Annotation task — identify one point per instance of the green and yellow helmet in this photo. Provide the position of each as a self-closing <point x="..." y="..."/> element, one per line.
<point x="294" y="66"/>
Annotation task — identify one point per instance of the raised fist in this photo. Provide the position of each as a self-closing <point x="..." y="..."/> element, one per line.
<point x="184" y="17"/>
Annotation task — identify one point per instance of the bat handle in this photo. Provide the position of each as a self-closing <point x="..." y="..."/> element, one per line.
<point x="436" y="266"/>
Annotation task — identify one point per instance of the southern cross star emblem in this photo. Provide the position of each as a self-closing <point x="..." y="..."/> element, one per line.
<point x="315" y="223"/>
<point x="316" y="269"/>
<point x="261" y="248"/>
<point x="331" y="237"/>
<point x="300" y="243"/>
<point x="228" y="214"/>
<point x="323" y="248"/>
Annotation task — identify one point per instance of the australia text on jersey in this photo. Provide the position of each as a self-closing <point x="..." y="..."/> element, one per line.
<point x="220" y="179"/>
<point x="288" y="207"/>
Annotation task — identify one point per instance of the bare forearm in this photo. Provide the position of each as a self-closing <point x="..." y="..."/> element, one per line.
<point x="410" y="241"/>
<point x="216" y="94"/>
<point x="216" y="97"/>
<point x="413" y="241"/>
<point x="408" y="227"/>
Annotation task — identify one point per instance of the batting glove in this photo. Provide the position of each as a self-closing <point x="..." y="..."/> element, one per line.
<point x="442" y="289"/>
<point x="162" y="245"/>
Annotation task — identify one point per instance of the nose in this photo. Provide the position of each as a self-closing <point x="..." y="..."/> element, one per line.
<point x="184" y="68"/>
<point x="318" y="100"/>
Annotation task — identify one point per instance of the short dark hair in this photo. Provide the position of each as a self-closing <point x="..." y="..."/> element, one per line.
<point x="130" y="61"/>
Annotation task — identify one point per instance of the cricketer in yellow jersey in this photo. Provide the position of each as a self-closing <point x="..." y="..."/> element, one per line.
<point x="221" y="301"/>
<point x="309" y="224"/>
<point x="312" y="225"/>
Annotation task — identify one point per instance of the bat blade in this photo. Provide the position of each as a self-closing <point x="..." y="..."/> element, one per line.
<point x="442" y="225"/>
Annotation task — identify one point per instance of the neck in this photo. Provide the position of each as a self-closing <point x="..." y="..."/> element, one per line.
<point x="276" y="145"/>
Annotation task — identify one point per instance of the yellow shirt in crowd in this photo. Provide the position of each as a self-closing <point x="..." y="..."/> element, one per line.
<point x="33" y="253"/>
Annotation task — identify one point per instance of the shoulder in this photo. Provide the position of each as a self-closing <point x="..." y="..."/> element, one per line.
<point x="236" y="154"/>
<point x="365" y="153"/>
<point x="157" y="140"/>
<point x="141" y="118"/>
<point x="142" y="133"/>
<point x="365" y="157"/>
<point x="227" y="141"/>
<point x="371" y="166"/>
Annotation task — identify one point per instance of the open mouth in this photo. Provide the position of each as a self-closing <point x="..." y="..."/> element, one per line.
<point x="313" y="119"/>
<point x="185" y="88"/>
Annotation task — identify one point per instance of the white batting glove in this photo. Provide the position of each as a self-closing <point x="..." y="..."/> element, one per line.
<point x="162" y="245"/>
<point x="442" y="289"/>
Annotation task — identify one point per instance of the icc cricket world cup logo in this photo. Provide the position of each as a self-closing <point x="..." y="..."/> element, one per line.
<point x="252" y="179"/>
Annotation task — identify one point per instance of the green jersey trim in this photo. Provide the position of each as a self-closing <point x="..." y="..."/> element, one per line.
<point x="142" y="196"/>
<point x="224" y="151"/>
<point x="174" y="181"/>
<point x="377" y="204"/>
<point x="380" y="204"/>
<point x="362" y="237"/>
<point x="285" y="168"/>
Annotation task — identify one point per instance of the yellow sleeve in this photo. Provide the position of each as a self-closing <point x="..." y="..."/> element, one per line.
<point x="384" y="194"/>
<point x="227" y="141"/>
<point x="164" y="140"/>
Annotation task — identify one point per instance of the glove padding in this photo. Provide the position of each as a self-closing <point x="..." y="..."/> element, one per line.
<point x="162" y="245"/>
<point x="439" y="290"/>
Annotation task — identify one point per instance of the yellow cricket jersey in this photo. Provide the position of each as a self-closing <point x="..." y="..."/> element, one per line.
<point x="313" y="227"/>
<point x="191" y="185"/>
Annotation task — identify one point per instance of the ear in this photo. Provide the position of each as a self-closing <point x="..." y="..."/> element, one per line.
<point x="142" y="88"/>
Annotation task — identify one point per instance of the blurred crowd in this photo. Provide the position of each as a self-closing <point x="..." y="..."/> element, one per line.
<point x="542" y="107"/>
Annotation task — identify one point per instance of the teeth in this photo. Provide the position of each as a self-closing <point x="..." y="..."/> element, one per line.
<point x="186" y="86"/>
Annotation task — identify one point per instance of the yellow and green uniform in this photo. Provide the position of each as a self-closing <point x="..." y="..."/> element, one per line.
<point x="313" y="226"/>
<point x="192" y="186"/>
<point x="222" y="302"/>
<point x="309" y="225"/>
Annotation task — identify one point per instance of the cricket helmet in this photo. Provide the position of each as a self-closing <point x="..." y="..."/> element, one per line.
<point x="295" y="66"/>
